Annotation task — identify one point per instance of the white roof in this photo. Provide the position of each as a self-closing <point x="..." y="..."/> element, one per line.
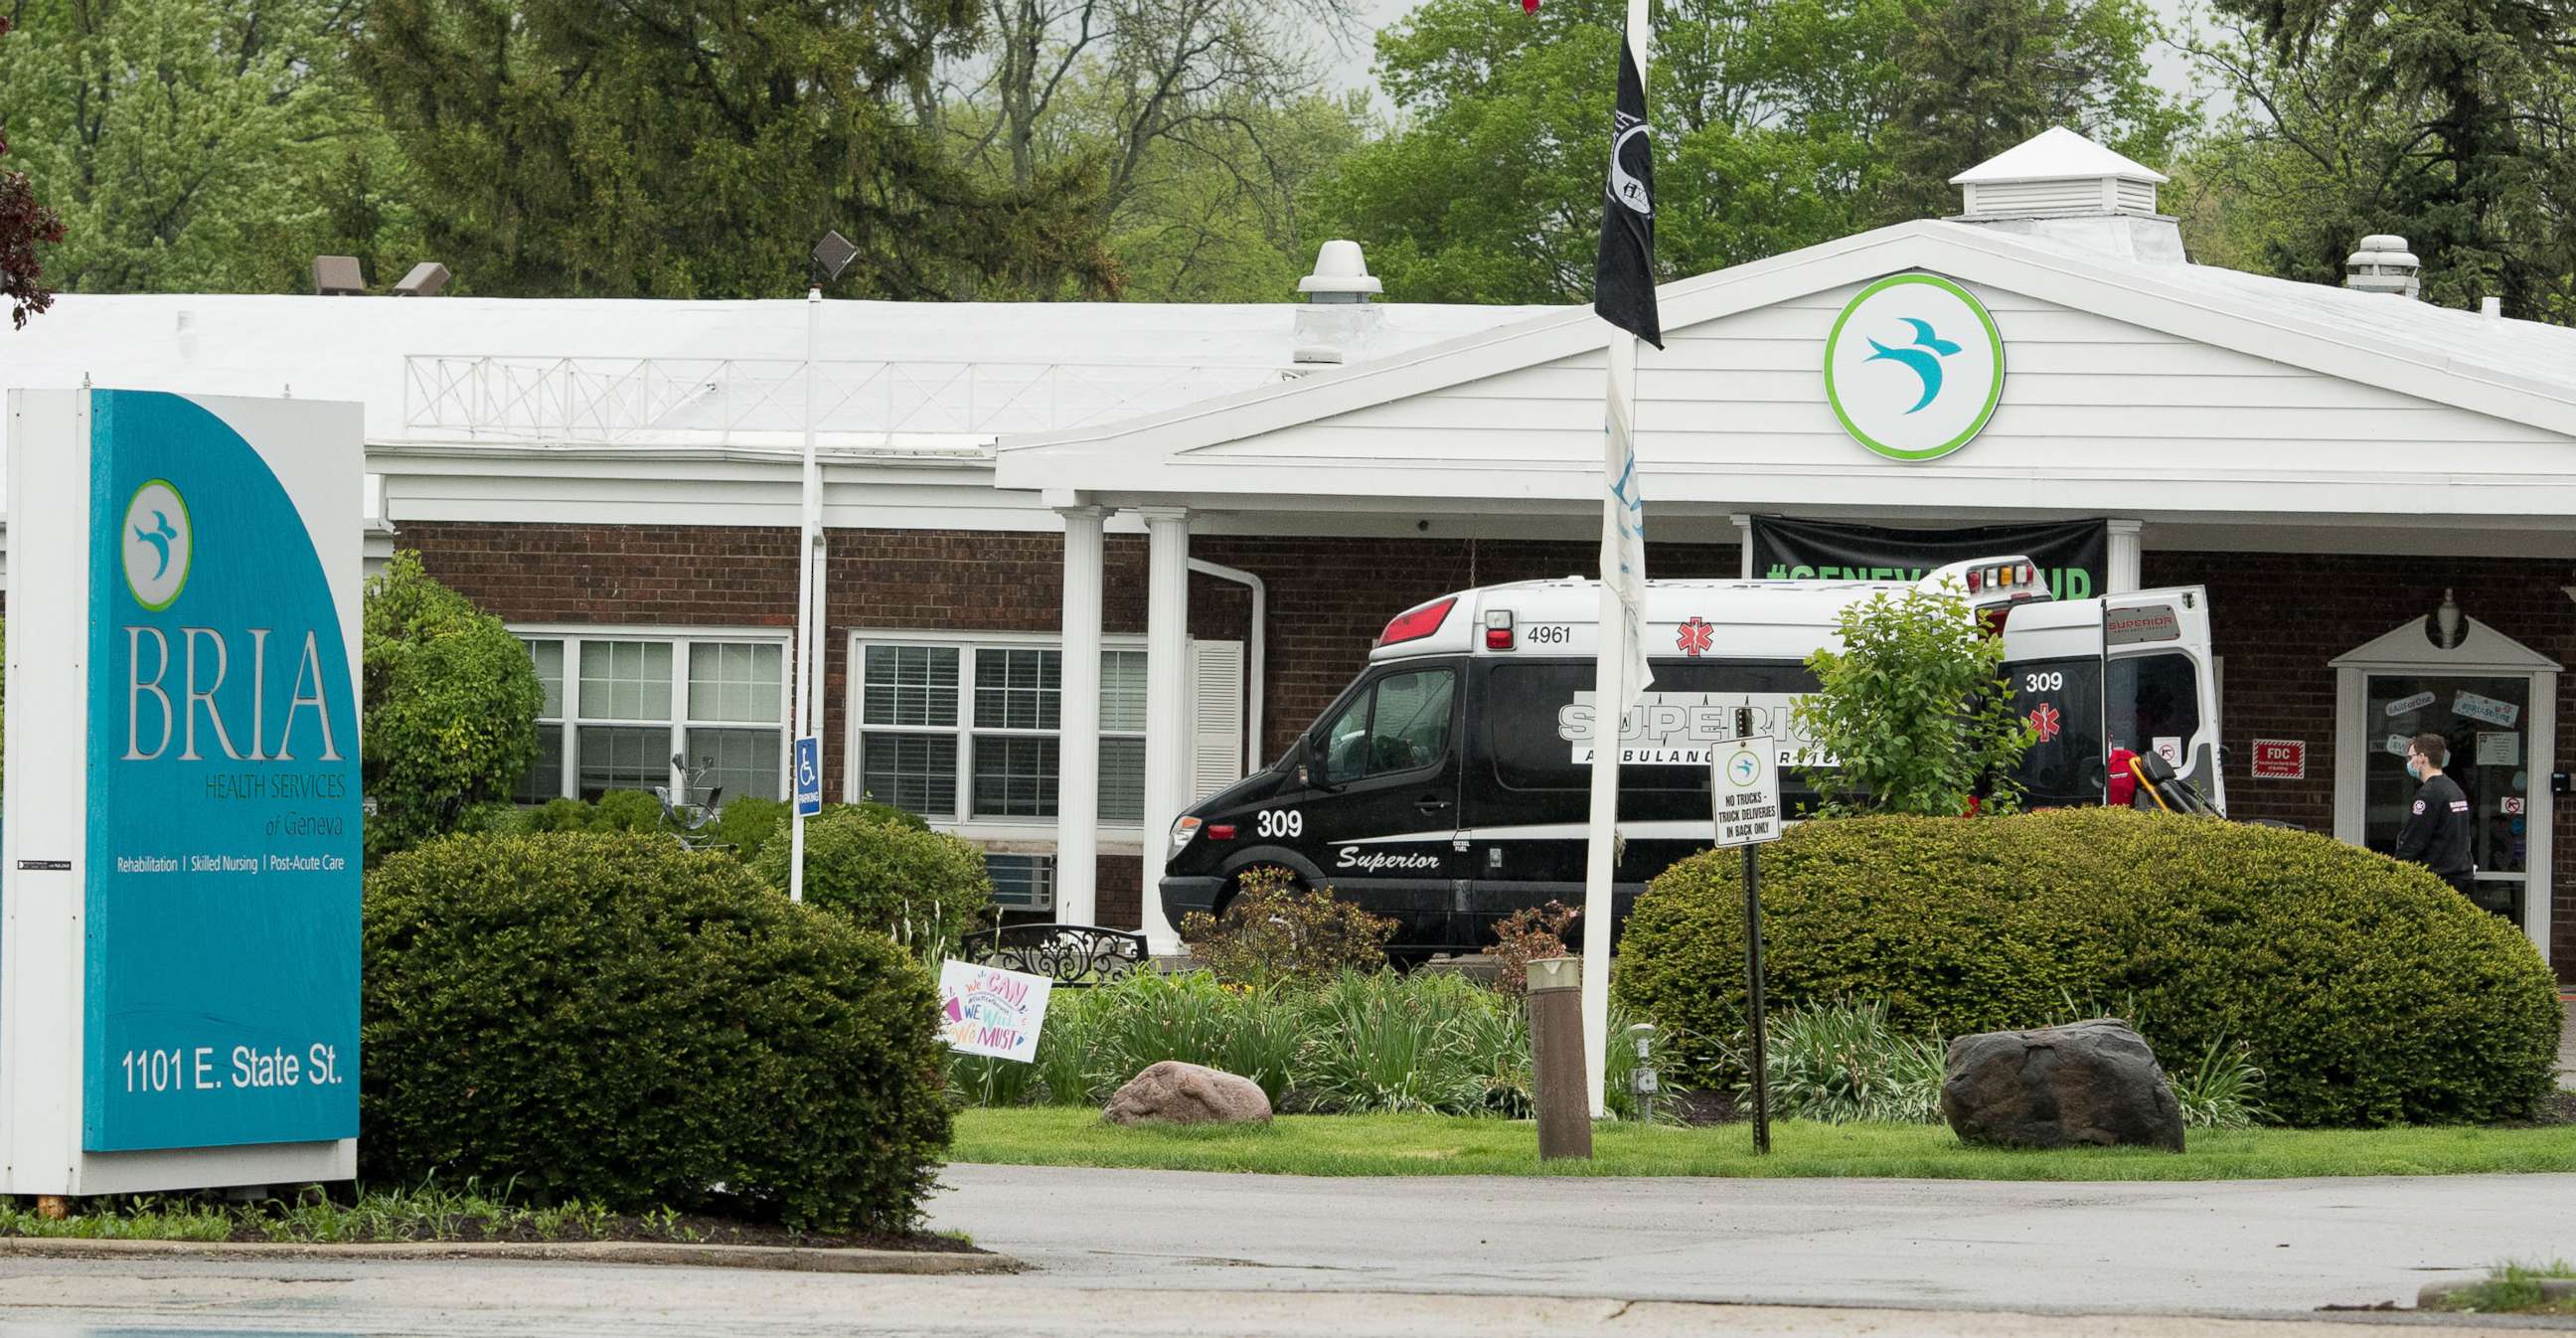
<point x="358" y="348"/>
<point x="2055" y="154"/>
<point x="2178" y="393"/>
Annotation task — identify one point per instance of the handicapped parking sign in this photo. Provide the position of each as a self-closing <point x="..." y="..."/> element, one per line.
<point x="809" y="776"/>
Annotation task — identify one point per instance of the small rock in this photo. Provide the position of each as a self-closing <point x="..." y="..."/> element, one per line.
<point x="2085" y="1084"/>
<point x="1178" y="1093"/>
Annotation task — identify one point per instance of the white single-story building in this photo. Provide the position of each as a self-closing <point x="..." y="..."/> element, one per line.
<point x="1029" y="508"/>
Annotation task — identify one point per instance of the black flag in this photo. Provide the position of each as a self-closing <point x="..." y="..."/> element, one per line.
<point x="1623" y="282"/>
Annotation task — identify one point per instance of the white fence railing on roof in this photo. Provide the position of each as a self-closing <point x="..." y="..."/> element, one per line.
<point x="761" y="401"/>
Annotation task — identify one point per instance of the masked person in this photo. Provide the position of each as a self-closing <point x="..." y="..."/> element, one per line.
<point x="2436" y="834"/>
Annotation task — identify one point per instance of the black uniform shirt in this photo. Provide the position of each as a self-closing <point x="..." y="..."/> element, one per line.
<point x="2436" y="834"/>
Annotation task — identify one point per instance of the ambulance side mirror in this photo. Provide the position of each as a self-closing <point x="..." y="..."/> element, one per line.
<point x="1309" y="765"/>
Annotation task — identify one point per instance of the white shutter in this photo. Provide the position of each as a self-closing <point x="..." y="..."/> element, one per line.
<point x="1216" y="716"/>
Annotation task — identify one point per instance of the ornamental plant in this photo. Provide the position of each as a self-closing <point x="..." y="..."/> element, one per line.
<point x="1915" y="710"/>
<point x="450" y="700"/>
<point x="886" y="872"/>
<point x="613" y="1019"/>
<point x="1277" y="930"/>
<point x="2365" y="991"/>
<point x="1530" y="934"/>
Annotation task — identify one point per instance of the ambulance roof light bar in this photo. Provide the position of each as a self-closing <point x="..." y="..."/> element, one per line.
<point x="1988" y="581"/>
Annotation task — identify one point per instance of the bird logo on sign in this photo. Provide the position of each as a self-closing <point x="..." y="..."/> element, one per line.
<point x="1743" y="768"/>
<point x="1922" y="357"/>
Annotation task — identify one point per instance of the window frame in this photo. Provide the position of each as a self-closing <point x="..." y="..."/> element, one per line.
<point x="961" y="819"/>
<point x="681" y="640"/>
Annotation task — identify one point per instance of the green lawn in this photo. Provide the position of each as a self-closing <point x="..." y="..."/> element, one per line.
<point x="1443" y="1145"/>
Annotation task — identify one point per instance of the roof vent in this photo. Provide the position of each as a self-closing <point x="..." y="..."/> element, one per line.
<point x="1341" y="275"/>
<point x="338" y="276"/>
<point x="2058" y="174"/>
<point x="2064" y="188"/>
<point x="2383" y="265"/>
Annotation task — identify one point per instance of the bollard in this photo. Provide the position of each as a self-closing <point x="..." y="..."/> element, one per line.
<point x="1556" y="1058"/>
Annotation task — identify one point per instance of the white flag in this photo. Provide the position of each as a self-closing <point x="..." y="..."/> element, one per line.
<point x="1623" y="541"/>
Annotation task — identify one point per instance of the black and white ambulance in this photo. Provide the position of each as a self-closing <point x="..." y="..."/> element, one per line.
<point x="1448" y="785"/>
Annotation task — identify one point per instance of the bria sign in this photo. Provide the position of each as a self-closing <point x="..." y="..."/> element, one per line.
<point x="1744" y="782"/>
<point x="189" y="568"/>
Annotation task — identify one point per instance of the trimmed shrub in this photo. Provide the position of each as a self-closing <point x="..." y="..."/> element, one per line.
<point x="628" y="811"/>
<point x="925" y="888"/>
<point x="750" y="824"/>
<point x="614" y="1019"/>
<point x="2367" y="991"/>
<point x="450" y="706"/>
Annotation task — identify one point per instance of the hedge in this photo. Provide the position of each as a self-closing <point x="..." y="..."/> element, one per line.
<point x="612" y="1018"/>
<point x="887" y="872"/>
<point x="2368" y="991"/>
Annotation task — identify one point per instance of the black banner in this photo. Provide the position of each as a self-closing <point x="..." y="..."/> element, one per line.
<point x="2074" y="554"/>
<point x="1623" y="279"/>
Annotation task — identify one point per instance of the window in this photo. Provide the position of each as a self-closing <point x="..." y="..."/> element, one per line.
<point x="618" y="707"/>
<point x="972" y="732"/>
<point x="1022" y="882"/>
<point x="1399" y="723"/>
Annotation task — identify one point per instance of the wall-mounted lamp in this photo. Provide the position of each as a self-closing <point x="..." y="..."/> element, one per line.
<point x="2446" y="621"/>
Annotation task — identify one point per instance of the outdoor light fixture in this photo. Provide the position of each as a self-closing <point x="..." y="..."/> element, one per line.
<point x="832" y="255"/>
<point x="338" y="276"/>
<point x="425" y="279"/>
<point x="2446" y="620"/>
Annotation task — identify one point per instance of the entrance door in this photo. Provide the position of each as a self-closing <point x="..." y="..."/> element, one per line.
<point x="2486" y="720"/>
<point x="2494" y="701"/>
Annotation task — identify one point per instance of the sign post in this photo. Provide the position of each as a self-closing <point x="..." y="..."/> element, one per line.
<point x="1744" y="787"/>
<point x="183" y="824"/>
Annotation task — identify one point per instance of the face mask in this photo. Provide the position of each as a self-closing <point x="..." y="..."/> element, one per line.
<point x="2415" y="767"/>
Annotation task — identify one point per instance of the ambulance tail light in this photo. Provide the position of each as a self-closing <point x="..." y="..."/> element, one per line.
<point x="1415" y="624"/>
<point x="1498" y="629"/>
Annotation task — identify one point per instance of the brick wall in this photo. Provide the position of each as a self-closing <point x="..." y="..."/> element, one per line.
<point x="2278" y="620"/>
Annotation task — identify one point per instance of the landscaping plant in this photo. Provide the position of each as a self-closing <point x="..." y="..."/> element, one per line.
<point x="2365" y="991"/>
<point x="1530" y="934"/>
<point x="1276" y="929"/>
<point x="926" y="889"/>
<point x="1914" y="710"/>
<point x="450" y="701"/>
<point x="612" y="1018"/>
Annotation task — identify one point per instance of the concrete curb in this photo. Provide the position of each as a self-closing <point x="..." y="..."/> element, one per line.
<point x="785" y="1258"/>
<point x="2551" y="1289"/>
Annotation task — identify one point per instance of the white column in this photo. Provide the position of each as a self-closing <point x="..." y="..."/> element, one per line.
<point x="1077" y="764"/>
<point x="1167" y="703"/>
<point x="1744" y="541"/>
<point x="2123" y="561"/>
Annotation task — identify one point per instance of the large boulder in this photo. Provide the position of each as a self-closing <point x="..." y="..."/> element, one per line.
<point x="2086" y="1084"/>
<point x="1176" y="1093"/>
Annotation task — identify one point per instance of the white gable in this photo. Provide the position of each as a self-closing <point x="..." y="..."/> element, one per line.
<point x="2171" y="392"/>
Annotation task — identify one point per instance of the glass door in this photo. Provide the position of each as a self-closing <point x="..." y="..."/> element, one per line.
<point x="2485" y="720"/>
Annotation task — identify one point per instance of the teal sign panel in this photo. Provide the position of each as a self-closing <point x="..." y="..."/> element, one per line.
<point x="223" y="845"/>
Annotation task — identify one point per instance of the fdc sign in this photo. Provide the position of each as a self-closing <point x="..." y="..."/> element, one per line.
<point x="181" y="823"/>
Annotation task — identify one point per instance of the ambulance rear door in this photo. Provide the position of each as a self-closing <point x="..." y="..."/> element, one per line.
<point x="2160" y="682"/>
<point x="2054" y="666"/>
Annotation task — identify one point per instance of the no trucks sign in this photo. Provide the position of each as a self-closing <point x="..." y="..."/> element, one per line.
<point x="1744" y="782"/>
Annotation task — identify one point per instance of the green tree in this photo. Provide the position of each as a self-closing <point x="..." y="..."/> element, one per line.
<point x="1201" y="121"/>
<point x="1779" y="124"/>
<point x="2450" y="123"/>
<point x="697" y="148"/>
<point x="23" y="223"/>
<point x="450" y="700"/>
<point x="196" y="145"/>
<point x="1985" y="75"/>
<point x="1914" y="709"/>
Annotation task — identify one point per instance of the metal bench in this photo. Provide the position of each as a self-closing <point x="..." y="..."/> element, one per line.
<point x="1074" y="956"/>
